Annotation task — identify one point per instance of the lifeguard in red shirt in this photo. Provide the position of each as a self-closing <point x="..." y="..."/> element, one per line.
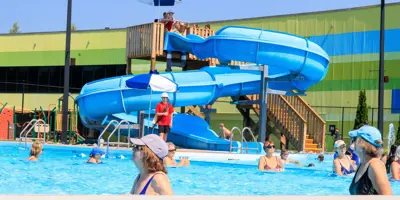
<point x="164" y="112"/>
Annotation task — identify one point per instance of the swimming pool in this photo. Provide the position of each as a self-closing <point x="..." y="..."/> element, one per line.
<point x="60" y="171"/>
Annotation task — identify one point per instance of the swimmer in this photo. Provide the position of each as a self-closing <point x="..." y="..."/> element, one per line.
<point x="169" y="160"/>
<point x="390" y="158"/>
<point x="35" y="152"/>
<point x="95" y="156"/>
<point x="371" y="177"/>
<point x="285" y="158"/>
<point x="269" y="162"/>
<point x="342" y="164"/>
<point x="321" y="158"/>
<point x="147" y="154"/>
<point x="395" y="166"/>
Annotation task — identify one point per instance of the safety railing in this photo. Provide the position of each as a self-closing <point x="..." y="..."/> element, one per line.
<point x="244" y="139"/>
<point x="105" y="130"/>
<point x="231" y="138"/>
<point x="118" y="127"/>
<point x="28" y="128"/>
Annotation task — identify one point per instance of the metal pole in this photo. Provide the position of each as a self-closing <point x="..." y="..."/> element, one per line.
<point x="263" y="105"/>
<point x="381" y="67"/>
<point x="23" y="97"/>
<point x="66" y="75"/>
<point x="342" y="122"/>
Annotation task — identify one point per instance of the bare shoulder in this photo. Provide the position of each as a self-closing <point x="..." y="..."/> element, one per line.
<point x="161" y="184"/>
<point x="376" y="165"/>
<point x="160" y="178"/>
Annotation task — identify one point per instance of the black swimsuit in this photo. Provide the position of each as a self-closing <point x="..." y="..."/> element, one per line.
<point x="363" y="186"/>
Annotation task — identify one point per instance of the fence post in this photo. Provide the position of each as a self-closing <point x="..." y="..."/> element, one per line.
<point x="372" y="117"/>
<point x="342" y="122"/>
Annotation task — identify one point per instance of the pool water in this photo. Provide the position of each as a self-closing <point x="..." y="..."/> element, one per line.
<point x="61" y="171"/>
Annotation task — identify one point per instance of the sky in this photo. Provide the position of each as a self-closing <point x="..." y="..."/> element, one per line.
<point x="51" y="15"/>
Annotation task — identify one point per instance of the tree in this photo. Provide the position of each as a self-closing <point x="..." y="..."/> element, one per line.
<point x="362" y="110"/>
<point x="398" y="134"/>
<point x="73" y="27"/>
<point x="15" y="28"/>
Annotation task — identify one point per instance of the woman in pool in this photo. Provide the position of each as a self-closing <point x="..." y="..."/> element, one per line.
<point x="342" y="164"/>
<point x="370" y="178"/>
<point x="148" y="154"/>
<point x="269" y="162"/>
<point x="35" y="152"/>
<point x="390" y="158"/>
<point x="395" y="165"/>
<point x="169" y="160"/>
<point x="95" y="156"/>
<point x="285" y="158"/>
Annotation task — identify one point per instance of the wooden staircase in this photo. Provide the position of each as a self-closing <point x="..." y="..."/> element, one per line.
<point x="295" y="119"/>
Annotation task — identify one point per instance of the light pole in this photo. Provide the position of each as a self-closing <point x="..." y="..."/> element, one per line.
<point x="381" y="67"/>
<point x="66" y="75"/>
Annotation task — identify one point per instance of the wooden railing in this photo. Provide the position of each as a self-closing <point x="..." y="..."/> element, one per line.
<point x="315" y="124"/>
<point x="289" y="121"/>
<point x="145" y="40"/>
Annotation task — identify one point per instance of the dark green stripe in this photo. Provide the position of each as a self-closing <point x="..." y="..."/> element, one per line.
<point x="346" y="85"/>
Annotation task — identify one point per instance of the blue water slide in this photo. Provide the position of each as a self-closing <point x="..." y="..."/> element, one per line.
<point x="303" y="63"/>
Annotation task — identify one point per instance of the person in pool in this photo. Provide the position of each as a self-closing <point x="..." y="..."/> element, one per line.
<point x="390" y="158"/>
<point x="35" y="151"/>
<point x="342" y="164"/>
<point x="95" y="156"/>
<point x="147" y="154"/>
<point x="321" y="158"/>
<point x="395" y="166"/>
<point x="269" y="162"/>
<point x="169" y="160"/>
<point x="370" y="177"/>
<point x="285" y="158"/>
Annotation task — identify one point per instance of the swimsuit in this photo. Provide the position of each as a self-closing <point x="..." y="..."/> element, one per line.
<point x="363" y="186"/>
<point x="344" y="170"/>
<point x="143" y="192"/>
<point x="268" y="167"/>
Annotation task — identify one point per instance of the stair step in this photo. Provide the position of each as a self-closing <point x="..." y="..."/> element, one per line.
<point x="308" y="141"/>
<point x="314" y="150"/>
<point x="311" y="145"/>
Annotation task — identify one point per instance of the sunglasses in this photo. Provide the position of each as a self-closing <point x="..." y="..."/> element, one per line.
<point x="270" y="147"/>
<point x="137" y="148"/>
<point x="172" y="150"/>
<point x="285" y="154"/>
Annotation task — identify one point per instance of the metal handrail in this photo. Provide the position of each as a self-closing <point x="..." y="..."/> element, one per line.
<point x="119" y="134"/>
<point x="252" y="135"/>
<point x="230" y="139"/>
<point x="105" y="129"/>
<point x="30" y="129"/>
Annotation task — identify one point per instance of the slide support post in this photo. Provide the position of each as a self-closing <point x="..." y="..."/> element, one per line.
<point x="263" y="104"/>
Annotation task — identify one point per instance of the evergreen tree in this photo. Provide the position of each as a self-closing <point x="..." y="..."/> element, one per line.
<point x="362" y="110"/>
<point x="15" y="28"/>
<point x="398" y="134"/>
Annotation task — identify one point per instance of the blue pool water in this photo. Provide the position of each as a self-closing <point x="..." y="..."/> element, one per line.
<point x="59" y="171"/>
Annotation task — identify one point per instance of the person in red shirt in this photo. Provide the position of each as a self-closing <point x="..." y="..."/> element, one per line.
<point x="164" y="111"/>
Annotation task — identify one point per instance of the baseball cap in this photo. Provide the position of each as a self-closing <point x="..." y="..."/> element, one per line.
<point x="164" y="94"/>
<point x="96" y="150"/>
<point x="339" y="143"/>
<point x="154" y="143"/>
<point x="368" y="133"/>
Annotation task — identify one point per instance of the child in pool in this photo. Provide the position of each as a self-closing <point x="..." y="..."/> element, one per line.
<point x="95" y="156"/>
<point x="35" y="152"/>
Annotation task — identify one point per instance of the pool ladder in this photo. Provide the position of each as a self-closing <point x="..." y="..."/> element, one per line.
<point x="244" y="141"/>
<point x="28" y="128"/>
<point x="117" y="126"/>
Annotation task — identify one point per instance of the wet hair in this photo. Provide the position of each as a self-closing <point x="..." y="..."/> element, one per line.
<point x="283" y="152"/>
<point x="371" y="150"/>
<point x="391" y="157"/>
<point x="321" y="157"/>
<point x="268" y="142"/>
<point x="151" y="162"/>
<point x="310" y="165"/>
<point x="36" y="149"/>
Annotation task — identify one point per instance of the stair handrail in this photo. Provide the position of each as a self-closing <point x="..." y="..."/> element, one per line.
<point x="231" y="139"/>
<point x="117" y="127"/>
<point x="252" y="135"/>
<point x="104" y="130"/>
<point x="30" y="129"/>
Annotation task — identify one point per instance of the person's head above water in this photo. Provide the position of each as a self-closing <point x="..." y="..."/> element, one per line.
<point x="148" y="153"/>
<point x="96" y="152"/>
<point x="367" y="141"/>
<point x="340" y="147"/>
<point x="36" y="150"/>
<point x="269" y="147"/>
<point x="171" y="150"/>
<point x="284" y="154"/>
<point x="321" y="157"/>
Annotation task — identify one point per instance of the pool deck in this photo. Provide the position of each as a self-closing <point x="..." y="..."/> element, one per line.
<point x="130" y="197"/>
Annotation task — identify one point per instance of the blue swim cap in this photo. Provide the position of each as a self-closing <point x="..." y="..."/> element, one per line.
<point x="369" y="134"/>
<point x="96" y="151"/>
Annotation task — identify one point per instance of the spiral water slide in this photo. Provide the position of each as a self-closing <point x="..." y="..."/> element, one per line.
<point x="294" y="62"/>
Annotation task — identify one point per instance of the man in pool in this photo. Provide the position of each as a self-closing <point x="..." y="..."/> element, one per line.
<point x="169" y="160"/>
<point x="95" y="156"/>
